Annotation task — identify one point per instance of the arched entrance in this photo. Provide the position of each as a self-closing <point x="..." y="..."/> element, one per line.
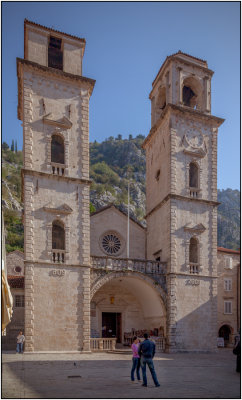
<point x="125" y="304"/>
<point x="225" y="332"/>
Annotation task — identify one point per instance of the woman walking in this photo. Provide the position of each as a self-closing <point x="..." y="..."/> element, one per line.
<point x="135" y="359"/>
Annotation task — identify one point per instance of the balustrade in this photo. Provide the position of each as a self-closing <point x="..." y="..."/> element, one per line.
<point x="194" y="268"/>
<point x="194" y="193"/>
<point x="58" y="169"/>
<point x="103" y="344"/>
<point x="58" y="256"/>
<point x="126" y="264"/>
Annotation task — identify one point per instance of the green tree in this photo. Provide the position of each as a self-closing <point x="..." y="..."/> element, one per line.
<point x="12" y="145"/>
<point x="5" y="146"/>
<point x="16" y="146"/>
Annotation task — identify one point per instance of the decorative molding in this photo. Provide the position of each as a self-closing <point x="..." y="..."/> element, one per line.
<point x="63" y="209"/>
<point x="192" y="149"/>
<point x="64" y="122"/>
<point x="190" y="227"/>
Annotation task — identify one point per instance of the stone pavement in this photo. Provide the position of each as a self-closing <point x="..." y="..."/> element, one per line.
<point x="104" y="375"/>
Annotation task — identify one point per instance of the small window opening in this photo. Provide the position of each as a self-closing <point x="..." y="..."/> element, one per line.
<point x="57" y="150"/>
<point x="193" y="251"/>
<point x="157" y="176"/>
<point x="193" y="176"/>
<point x="161" y="99"/>
<point x="188" y="96"/>
<point x="55" y="53"/>
<point x="157" y="259"/>
<point x="19" y="300"/>
<point x="58" y="236"/>
<point x="18" y="269"/>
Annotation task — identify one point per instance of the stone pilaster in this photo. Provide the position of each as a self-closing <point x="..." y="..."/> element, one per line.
<point x="29" y="307"/>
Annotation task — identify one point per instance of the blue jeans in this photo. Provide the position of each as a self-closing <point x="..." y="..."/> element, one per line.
<point x="135" y="366"/>
<point x="19" y="347"/>
<point x="150" y="364"/>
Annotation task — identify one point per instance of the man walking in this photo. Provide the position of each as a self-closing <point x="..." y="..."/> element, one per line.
<point x="147" y="352"/>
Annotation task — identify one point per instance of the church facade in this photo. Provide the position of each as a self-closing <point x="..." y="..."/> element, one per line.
<point x="83" y="278"/>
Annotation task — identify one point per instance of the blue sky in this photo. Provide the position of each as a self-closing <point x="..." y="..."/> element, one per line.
<point x="126" y="45"/>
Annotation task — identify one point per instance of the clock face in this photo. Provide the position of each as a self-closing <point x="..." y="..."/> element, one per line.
<point x="194" y="138"/>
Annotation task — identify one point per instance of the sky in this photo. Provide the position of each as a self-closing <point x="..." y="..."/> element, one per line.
<point x="126" y="43"/>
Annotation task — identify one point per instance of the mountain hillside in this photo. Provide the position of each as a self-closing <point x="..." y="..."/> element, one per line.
<point x="112" y="162"/>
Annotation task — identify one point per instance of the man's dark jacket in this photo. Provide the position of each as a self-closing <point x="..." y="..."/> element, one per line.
<point x="147" y="349"/>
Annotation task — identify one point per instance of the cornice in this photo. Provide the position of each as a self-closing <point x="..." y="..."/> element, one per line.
<point x="57" y="265"/>
<point x="183" y="198"/>
<point x="216" y="121"/>
<point x="192" y="276"/>
<point x="25" y="171"/>
<point x="64" y="122"/>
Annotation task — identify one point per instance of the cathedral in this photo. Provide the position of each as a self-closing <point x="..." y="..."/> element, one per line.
<point x="94" y="281"/>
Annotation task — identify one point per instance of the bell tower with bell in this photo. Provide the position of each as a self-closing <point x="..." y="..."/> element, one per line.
<point x="181" y="209"/>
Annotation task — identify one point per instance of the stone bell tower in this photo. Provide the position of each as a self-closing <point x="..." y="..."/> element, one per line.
<point x="53" y="103"/>
<point x="181" y="176"/>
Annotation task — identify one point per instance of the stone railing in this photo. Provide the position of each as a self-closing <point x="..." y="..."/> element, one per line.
<point x="127" y="264"/>
<point x="58" y="169"/>
<point x="58" y="256"/>
<point x="194" y="192"/>
<point x="102" y="344"/>
<point x="194" y="268"/>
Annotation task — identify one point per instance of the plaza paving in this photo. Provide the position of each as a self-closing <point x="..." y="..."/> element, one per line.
<point x="104" y="375"/>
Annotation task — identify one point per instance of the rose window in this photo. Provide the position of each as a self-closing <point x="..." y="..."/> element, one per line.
<point x="111" y="244"/>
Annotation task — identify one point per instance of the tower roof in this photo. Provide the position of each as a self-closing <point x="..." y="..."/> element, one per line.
<point x="182" y="57"/>
<point x="27" y="22"/>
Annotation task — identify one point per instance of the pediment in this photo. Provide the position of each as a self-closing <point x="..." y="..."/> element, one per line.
<point x="190" y="227"/>
<point x="62" y="209"/>
<point x="63" y="122"/>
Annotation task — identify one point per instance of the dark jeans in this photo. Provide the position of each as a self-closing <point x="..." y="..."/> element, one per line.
<point x="19" y="347"/>
<point x="135" y="366"/>
<point x="150" y="364"/>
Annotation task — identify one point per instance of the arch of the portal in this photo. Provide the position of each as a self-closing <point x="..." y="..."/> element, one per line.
<point x="100" y="278"/>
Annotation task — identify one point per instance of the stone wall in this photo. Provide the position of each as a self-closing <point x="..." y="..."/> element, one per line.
<point x="59" y="298"/>
<point x="15" y="259"/>
<point x="112" y="220"/>
<point x="229" y="271"/>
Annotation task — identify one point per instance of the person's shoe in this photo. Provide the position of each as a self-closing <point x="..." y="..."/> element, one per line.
<point x="157" y="385"/>
<point x="144" y="385"/>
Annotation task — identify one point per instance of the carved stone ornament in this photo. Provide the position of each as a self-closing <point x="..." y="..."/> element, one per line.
<point x="62" y="209"/>
<point x="199" y="228"/>
<point x="194" y="144"/>
<point x="63" y="122"/>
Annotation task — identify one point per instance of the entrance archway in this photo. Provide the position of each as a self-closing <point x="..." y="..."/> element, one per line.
<point x="225" y="332"/>
<point x="134" y="302"/>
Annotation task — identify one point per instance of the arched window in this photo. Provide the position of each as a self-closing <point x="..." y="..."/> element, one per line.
<point x="193" y="256"/>
<point x="193" y="175"/>
<point x="57" y="149"/>
<point x="58" y="235"/>
<point x="192" y="93"/>
<point x="161" y="99"/>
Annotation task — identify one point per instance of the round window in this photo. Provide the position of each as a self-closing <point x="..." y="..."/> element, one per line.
<point x="18" y="269"/>
<point x="111" y="243"/>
